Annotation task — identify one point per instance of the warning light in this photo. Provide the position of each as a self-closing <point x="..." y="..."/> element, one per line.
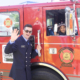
<point x="8" y="22"/>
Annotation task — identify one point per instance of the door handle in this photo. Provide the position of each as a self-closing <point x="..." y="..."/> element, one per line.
<point x="39" y="54"/>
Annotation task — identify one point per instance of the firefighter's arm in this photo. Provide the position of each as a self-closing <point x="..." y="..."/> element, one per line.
<point x="11" y="47"/>
<point x="35" y="51"/>
<point x="8" y="48"/>
<point x="55" y="29"/>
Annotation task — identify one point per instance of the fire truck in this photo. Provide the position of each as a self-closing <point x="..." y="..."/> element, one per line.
<point x="59" y="58"/>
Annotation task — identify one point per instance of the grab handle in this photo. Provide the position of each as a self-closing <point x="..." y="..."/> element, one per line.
<point x="39" y="54"/>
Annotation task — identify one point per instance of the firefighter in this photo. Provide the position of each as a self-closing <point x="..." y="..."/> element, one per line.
<point x="21" y="48"/>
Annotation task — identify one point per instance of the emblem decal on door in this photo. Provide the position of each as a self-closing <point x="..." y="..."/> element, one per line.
<point x="66" y="56"/>
<point x="8" y="22"/>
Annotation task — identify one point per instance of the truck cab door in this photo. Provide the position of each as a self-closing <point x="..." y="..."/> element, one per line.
<point x="10" y="17"/>
<point x="60" y="51"/>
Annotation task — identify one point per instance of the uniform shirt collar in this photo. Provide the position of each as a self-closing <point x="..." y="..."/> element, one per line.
<point x="24" y="38"/>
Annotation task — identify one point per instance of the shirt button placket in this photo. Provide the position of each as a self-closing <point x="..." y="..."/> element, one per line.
<point x="26" y="61"/>
<point x="30" y="61"/>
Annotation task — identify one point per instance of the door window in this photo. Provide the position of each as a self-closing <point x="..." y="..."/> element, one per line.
<point x="55" y="23"/>
<point x="8" y="21"/>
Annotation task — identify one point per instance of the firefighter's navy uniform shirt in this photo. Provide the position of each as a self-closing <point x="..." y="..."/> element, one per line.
<point x="22" y="54"/>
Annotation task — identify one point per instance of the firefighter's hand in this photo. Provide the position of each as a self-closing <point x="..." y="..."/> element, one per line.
<point x="14" y="35"/>
<point x="39" y="47"/>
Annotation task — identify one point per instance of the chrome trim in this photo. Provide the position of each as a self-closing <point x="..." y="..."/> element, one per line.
<point x="39" y="54"/>
<point x="74" y="20"/>
<point x="73" y="75"/>
<point x="73" y="78"/>
<point x="52" y="67"/>
<point x="4" y="70"/>
<point x="54" y="43"/>
<point x="61" y="43"/>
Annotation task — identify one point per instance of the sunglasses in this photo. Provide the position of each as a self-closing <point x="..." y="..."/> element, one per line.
<point x="27" y="31"/>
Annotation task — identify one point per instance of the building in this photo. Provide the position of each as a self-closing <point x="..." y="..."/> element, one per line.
<point x="28" y="2"/>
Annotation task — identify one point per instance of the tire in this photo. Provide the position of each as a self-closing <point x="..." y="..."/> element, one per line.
<point x="45" y="74"/>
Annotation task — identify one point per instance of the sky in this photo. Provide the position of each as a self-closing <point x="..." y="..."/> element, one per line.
<point x="16" y="2"/>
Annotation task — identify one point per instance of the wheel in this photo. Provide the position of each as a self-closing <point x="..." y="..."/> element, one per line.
<point x="45" y="74"/>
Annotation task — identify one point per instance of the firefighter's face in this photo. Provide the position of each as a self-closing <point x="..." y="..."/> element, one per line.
<point x="27" y="32"/>
<point x="63" y="29"/>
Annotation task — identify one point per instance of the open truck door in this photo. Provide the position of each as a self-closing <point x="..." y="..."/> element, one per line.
<point x="10" y="17"/>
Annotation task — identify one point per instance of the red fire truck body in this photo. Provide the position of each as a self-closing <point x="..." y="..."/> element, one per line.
<point x="60" y="55"/>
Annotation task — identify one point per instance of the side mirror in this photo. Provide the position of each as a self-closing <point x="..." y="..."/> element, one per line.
<point x="69" y="21"/>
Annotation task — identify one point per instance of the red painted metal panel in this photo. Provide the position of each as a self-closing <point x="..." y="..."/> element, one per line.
<point x="4" y="40"/>
<point x="33" y="16"/>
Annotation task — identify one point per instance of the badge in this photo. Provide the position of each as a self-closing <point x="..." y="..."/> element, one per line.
<point x="22" y="46"/>
<point x="31" y="44"/>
